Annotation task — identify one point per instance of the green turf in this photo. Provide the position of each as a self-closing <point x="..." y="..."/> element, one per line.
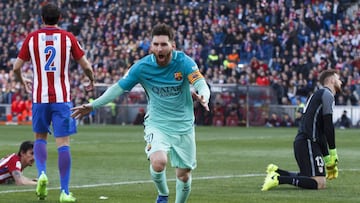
<point x="110" y="161"/>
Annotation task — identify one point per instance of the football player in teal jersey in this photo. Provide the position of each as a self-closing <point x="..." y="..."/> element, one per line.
<point x="166" y="75"/>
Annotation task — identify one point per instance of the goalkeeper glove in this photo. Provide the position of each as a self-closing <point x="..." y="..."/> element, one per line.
<point x="332" y="173"/>
<point x="331" y="162"/>
<point x="333" y="155"/>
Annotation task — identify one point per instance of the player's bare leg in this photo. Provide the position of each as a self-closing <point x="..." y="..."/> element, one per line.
<point x="158" y="161"/>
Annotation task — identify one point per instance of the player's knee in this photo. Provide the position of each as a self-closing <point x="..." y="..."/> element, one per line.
<point x="183" y="174"/>
<point x="158" y="161"/>
<point x="184" y="178"/>
<point x="42" y="136"/>
<point x="158" y="167"/>
<point x="321" y="182"/>
<point x="321" y="185"/>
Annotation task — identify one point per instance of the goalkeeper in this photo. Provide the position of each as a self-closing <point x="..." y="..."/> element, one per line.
<point x="314" y="145"/>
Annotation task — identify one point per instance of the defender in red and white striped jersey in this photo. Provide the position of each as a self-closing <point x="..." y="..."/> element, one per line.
<point x="50" y="50"/>
<point x="11" y="166"/>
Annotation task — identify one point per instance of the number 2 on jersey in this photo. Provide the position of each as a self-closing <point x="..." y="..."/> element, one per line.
<point x="52" y="51"/>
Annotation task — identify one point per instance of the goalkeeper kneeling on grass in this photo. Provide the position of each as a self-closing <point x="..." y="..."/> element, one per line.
<point x="314" y="145"/>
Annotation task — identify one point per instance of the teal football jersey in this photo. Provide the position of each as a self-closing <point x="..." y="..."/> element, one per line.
<point x="170" y="104"/>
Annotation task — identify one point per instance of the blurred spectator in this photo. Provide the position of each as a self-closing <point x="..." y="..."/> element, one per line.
<point x="286" y="121"/>
<point x="27" y="113"/>
<point x="299" y="105"/>
<point x="297" y="119"/>
<point x="262" y="79"/>
<point x="344" y="121"/>
<point x="242" y="112"/>
<point x="213" y="59"/>
<point x="232" y="119"/>
<point x="218" y="119"/>
<point x="303" y="37"/>
<point x="139" y="120"/>
<point x="89" y="118"/>
<point x="273" y="121"/>
<point x="18" y="109"/>
<point x="112" y="108"/>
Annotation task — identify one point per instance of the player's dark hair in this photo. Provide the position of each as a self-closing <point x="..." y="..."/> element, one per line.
<point x="163" y="29"/>
<point x="50" y="14"/>
<point x="326" y="74"/>
<point x="25" y="146"/>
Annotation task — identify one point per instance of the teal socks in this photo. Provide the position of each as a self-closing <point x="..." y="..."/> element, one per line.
<point x="159" y="179"/>
<point x="182" y="190"/>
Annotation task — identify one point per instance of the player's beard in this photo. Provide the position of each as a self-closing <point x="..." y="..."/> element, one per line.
<point x="163" y="59"/>
<point x="337" y="88"/>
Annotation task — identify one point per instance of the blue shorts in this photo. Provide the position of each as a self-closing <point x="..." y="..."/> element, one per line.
<point x="57" y="114"/>
<point x="181" y="148"/>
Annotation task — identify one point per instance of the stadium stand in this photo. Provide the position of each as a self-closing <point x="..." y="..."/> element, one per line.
<point x="281" y="44"/>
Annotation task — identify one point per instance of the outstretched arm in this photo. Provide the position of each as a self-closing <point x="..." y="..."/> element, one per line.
<point x="20" y="179"/>
<point x="109" y="95"/>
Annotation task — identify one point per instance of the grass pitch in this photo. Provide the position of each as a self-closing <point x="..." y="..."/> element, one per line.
<point x="109" y="162"/>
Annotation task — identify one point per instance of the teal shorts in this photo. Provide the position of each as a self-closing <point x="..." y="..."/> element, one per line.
<point x="181" y="148"/>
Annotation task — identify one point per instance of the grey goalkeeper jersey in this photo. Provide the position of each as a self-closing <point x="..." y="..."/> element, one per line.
<point x="312" y="125"/>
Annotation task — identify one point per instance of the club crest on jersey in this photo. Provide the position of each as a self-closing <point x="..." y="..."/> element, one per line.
<point x="178" y="76"/>
<point x="18" y="164"/>
<point x="148" y="140"/>
<point x="148" y="147"/>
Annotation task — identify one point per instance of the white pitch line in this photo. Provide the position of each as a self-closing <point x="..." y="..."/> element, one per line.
<point x="136" y="182"/>
<point x="150" y="181"/>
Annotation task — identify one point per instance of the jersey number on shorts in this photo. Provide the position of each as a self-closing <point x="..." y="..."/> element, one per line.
<point x="320" y="164"/>
<point x="52" y="51"/>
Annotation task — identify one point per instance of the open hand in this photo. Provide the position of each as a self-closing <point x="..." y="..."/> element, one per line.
<point x="202" y="100"/>
<point x="80" y="111"/>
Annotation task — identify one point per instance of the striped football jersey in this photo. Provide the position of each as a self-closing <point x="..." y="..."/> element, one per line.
<point x="50" y="50"/>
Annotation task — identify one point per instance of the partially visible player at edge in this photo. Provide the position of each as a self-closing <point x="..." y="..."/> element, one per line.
<point x="314" y="145"/>
<point x="12" y="165"/>
<point x="166" y="75"/>
<point x="50" y="50"/>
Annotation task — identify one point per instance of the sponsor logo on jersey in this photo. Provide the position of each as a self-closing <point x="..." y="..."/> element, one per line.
<point x="167" y="91"/>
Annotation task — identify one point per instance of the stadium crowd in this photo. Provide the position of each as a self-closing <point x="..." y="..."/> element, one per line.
<point x="283" y="44"/>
